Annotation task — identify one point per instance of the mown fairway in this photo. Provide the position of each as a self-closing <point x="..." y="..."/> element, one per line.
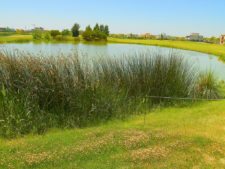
<point x="213" y="49"/>
<point x="15" y="38"/>
<point x="175" y="137"/>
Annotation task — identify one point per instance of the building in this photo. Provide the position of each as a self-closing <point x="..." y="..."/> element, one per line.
<point x="222" y="39"/>
<point x="131" y="35"/>
<point x="38" y="29"/>
<point x="6" y="29"/>
<point x="146" y="36"/>
<point x="195" y="37"/>
<point x="2" y="29"/>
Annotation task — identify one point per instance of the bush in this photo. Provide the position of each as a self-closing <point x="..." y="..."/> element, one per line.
<point x="47" y="36"/>
<point x="66" y="38"/>
<point x="98" y="33"/>
<point x="55" y="33"/>
<point x="207" y="86"/>
<point x="66" y="32"/>
<point x="37" y="34"/>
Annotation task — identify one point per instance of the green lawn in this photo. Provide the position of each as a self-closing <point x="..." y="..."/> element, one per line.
<point x="15" y="38"/>
<point x="215" y="49"/>
<point x="177" y="137"/>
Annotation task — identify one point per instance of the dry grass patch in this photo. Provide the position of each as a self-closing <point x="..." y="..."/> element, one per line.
<point x="156" y="152"/>
<point x="93" y="144"/>
<point x="36" y="158"/>
<point x="134" y="138"/>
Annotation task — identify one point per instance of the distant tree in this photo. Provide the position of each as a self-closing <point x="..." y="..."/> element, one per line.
<point x="88" y="33"/>
<point x="75" y="30"/>
<point x="213" y="39"/>
<point x="54" y="33"/>
<point x="19" y="31"/>
<point x="106" y="30"/>
<point x="66" y="32"/>
<point x="47" y="36"/>
<point x="37" y="34"/>
<point x="102" y="28"/>
<point x="96" y="28"/>
<point x="97" y="33"/>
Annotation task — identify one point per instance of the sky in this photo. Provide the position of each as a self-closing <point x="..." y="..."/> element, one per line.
<point x="173" y="17"/>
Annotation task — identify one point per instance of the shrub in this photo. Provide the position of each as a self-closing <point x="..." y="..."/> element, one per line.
<point x="98" y="33"/>
<point x="55" y="33"/>
<point x="66" y="32"/>
<point x="207" y="86"/>
<point x="66" y="38"/>
<point x="37" y="34"/>
<point x="47" y="36"/>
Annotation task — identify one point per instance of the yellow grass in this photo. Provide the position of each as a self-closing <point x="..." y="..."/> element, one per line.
<point x="214" y="49"/>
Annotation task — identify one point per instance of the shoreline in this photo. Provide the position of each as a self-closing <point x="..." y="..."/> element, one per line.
<point x="212" y="49"/>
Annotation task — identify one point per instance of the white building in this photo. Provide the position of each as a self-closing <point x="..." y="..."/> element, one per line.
<point x="195" y="37"/>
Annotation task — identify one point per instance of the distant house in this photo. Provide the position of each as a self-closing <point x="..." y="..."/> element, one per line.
<point x="222" y="39"/>
<point x="2" y="29"/>
<point x="132" y="35"/>
<point x="38" y="29"/>
<point x="195" y="37"/>
<point x="6" y="29"/>
<point x="146" y="36"/>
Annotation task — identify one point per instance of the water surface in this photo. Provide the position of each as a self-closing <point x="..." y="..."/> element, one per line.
<point x="200" y="60"/>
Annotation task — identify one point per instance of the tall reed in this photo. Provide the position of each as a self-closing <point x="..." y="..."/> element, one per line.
<point x="64" y="91"/>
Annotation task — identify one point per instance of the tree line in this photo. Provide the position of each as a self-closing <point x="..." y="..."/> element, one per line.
<point x="98" y="32"/>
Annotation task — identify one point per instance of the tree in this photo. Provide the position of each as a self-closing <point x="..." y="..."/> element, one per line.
<point x="19" y="31"/>
<point x="47" y="36"/>
<point x="88" y="33"/>
<point x="37" y="34"/>
<point x="96" y="28"/>
<point x="97" y="33"/>
<point x="106" y="30"/>
<point x="54" y="33"/>
<point x="66" y="32"/>
<point x="75" y="30"/>
<point x="102" y="28"/>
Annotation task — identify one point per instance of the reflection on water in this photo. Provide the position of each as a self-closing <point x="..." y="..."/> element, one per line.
<point x="202" y="61"/>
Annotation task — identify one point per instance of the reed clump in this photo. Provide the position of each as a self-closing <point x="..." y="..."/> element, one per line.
<point x="38" y="93"/>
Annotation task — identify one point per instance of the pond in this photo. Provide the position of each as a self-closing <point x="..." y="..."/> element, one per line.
<point x="200" y="60"/>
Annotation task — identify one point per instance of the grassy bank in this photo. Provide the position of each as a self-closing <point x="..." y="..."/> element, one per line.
<point x="19" y="38"/>
<point x="15" y="38"/>
<point x="213" y="49"/>
<point x="177" y="137"/>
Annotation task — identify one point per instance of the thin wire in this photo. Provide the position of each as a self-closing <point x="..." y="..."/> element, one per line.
<point x="184" y="98"/>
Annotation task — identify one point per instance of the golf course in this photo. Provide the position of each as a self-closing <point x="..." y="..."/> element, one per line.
<point x="94" y="84"/>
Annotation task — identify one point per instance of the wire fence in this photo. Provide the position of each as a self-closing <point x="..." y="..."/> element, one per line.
<point x="184" y="98"/>
<point x="142" y="105"/>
